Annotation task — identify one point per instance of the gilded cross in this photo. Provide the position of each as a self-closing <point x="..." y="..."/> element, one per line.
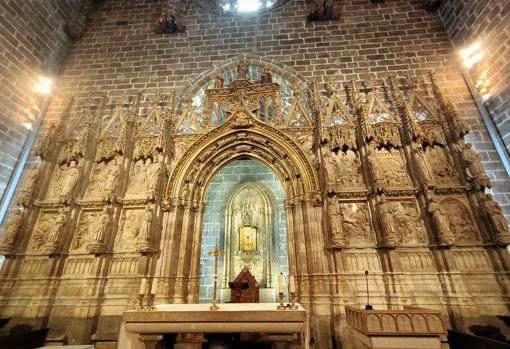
<point x="216" y="253"/>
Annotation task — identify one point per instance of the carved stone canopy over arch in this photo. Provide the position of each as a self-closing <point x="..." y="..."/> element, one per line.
<point x="240" y="136"/>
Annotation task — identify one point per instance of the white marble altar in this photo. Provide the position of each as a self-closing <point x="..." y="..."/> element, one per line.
<point x="197" y="318"/>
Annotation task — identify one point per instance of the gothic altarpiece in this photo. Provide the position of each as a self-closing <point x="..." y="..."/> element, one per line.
<point x="375" y="179"/>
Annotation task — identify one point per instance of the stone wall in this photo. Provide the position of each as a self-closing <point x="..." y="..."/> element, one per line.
<point x="235" y="173"/>
<point x="33" y="43"/>
<point x="487" y="23"/>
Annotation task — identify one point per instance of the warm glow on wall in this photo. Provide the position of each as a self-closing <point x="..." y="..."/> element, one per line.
<point x="43" y="85"/>
<point x="471" y="55"/>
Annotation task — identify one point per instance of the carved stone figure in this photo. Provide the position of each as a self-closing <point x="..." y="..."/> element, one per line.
<point x="11" y="232"/>
<point x="99" y="231"/>
<point x="409" y="226"/>
<point x="218" y="81"/>
<point x="144" y="231"/>
<point x="331" y="164"/>
<point x="337" y="239"/>
<point x="349" y="170"/>
<point x="475" y="170"/>
<point x="375" y="173"/>
<point x="442" y="166"/>
<point x="425" y="174"/>
<point x="242" y="68"/>
<point x="27" y="187"/>
<point x="497" y="220"/>
<point x="441" y="222"/>
<point x="52" y="242"/>
<point x="69" y="182"/>
<point x="389" y="229"/>
<point x="266" y="77"/>
<point x="111" y="180"/>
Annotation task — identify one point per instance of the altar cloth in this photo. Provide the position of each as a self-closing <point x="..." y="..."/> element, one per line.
<point x="197" y="318"/>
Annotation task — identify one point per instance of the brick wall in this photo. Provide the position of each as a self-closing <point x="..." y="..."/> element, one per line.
<point x="486" y="22"/>
<point x="32" y="43"/>
<point x="120" y="53"/>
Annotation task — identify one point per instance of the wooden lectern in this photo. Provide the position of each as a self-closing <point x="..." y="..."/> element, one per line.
<point x="244" y="289"/>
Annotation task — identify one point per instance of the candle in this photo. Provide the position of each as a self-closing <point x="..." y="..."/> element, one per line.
<point x="143" y="286"/>
<point x="154" y="286"/>
<point x="292" y="285"/>
<point x="280" y="283"/>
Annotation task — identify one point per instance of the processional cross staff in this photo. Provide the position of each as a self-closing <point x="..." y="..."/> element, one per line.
<point x="216" y="253"/>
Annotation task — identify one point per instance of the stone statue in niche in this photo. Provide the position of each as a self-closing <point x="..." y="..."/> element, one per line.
<point x="388" y="225"/>
<point x="12" y="229"/>
<point x="441" y="221"/>
<point x="332" y="167"/>
<point x="356" y="223"/>
<point x="337" y="239"/>
<point x="111" y="180"/>
<point x="144" y="178"/>
<point x="474" y="169"/>
<point x="497" y="220"/>
<point x="99" y="231"/>
<point x="144" y="231"/>
<point x="266" y="77"/>
<point x="422" y="165"/>
<point x="71" y="175"/>
<point x="27" y="187"/>
<point x="218" y="81"/>
<point x="242" y="68"/>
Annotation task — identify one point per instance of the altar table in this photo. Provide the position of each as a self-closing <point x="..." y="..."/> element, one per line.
<point x="148" y="326"/>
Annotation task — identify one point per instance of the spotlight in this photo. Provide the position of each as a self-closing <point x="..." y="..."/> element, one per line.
<point x="43" y="85"/>
<point x="471" y="55"/>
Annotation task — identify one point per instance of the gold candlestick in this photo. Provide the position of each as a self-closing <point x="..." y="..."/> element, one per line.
<point x="293" y="305"/>
<point x="280" y="306"/>
<point x="140" y="302"/>
<point x="150" y="302"/>
<point x="215" y="253"/>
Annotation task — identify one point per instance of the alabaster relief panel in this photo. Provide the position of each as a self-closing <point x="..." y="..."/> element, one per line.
<point x="360" y="261"/>
<point x="356" y="223"/>
<point x="470" y="260"/>
<point x="416" y="260"/>
<point x="132" y="223"/>
<point x="103" y="180"/>
<point x="388" y="168"/>
<point x="401" y="222"/>
<point x="143" y="178"/>
<point x="441" y="166"/>
<point x="63" y="182"/>
<point x="48" y="231"/>
<point x="343" y="170"/>
<point x="91" y="228"/>
<point x="460" y="219"/>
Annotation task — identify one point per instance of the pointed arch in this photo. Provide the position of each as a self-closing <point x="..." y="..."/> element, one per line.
<point x="208" y="154"/>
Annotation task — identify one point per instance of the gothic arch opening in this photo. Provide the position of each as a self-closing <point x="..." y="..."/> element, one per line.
<point x="244" y="215"/>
